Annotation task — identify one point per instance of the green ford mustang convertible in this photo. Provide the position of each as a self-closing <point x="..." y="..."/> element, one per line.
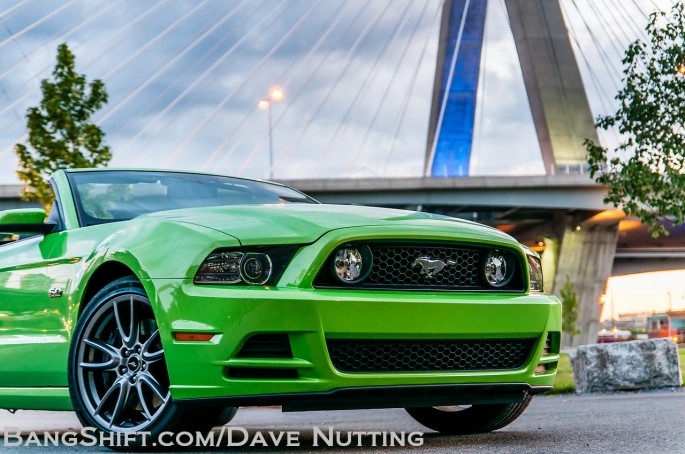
<point x="153" y="301"/>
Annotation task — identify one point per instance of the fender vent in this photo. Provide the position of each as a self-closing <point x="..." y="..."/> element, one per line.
<point x="267" y="346"/>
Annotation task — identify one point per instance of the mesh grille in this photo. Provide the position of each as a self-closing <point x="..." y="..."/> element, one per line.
<point x="394" y="266"/>
<point x="428" y="355"/>
<point x="424" y="266"/>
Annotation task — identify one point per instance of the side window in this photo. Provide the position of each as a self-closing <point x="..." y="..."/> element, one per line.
<point x="55" y="216"/>
<point x="7" y="238"/>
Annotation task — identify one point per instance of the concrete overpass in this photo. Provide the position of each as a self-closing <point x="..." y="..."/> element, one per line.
<point x="9" y="197"/>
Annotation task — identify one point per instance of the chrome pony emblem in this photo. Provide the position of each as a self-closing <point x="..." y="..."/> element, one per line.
<point x="430" y="267"/>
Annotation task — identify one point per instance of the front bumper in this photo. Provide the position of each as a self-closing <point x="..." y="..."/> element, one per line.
<point x="198" y="370"/>
<point x="381" y="397"/>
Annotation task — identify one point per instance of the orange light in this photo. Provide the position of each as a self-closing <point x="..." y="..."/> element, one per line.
<point x="675" y="339"/>
<point x="628" y="225"/>
<point x="193" y="337"/>
<point x="681" y="69"/>
<point x="276" y="93"/>
<point x="506" y="228"/>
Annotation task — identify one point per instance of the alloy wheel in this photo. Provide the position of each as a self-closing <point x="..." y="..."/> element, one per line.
<point x="121" y="372"/>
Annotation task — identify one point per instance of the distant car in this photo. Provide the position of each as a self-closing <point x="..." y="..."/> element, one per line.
<point x="161" y="301"/>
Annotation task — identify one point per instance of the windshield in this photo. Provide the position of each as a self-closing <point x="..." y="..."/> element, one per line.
<point x="120" y="195"/>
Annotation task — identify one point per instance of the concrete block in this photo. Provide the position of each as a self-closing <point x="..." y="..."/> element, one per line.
<point x="626" y="366"/>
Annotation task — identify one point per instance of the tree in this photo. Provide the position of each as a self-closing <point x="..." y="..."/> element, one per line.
<point x="59" y="132"/>
<point x="646" y="172"/>
<point x="569" y="304"/>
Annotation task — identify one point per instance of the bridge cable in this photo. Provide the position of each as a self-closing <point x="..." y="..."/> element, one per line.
<point x="11" y="10"/>
<point x="399" y="118"/>
<point x="348" y="58"/>
<point x="28" y="94"/>
<point x="603" y="56"/>
<point x="251" y="154"/>
<point x="265" y="19"/>
<point x="35" y="24"/>
<point x="181" y="148"/>
<point x="604" y="97"/>
<point x="343" y="124"/>
<point x="323" y="32"/>
<point x="178" y="55"/>
<point x="619" y="19"/>
<point x="155" y="40"/>
<point x="312" y="73"/>
<point x="388" y="86"/>
<point x="68" y="30"/>
<point x="482" y="83"/>
<point x="172" y="86"/>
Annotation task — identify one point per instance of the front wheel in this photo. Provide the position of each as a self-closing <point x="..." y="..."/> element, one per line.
<point x="470" y="419"/>
<point x="118" y="378"/>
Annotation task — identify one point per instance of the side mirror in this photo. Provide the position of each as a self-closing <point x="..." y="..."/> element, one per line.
<point x="25" y="220"/>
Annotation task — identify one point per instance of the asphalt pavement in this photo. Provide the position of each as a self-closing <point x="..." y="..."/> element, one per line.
<point x="647" y="422"/>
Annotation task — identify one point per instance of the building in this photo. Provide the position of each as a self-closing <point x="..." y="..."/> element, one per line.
<point x="667" y="324"/>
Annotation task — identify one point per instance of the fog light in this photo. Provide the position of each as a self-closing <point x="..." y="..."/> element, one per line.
<point x="541" y="369"/>
<point x="352" y="264"/>
<point x="498" y="268"/>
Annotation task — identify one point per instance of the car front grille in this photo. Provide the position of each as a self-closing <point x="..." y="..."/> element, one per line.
<point x="394" y="267"/>
<point x="360" y="356"/>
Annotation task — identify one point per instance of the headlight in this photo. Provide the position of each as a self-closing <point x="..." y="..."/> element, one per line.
<point x="535" y="271"/>
<point x="351" y="264"/>
<point x="256" y="266"/>
<point x="498" y="268"/>
<point x="220" y="268"/>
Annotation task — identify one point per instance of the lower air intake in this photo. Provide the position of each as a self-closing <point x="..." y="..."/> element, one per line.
<point x="358" y="356"/>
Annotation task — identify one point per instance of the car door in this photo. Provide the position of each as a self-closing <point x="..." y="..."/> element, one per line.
<point x="34" y="327"/>
<point x="30" y="327"/>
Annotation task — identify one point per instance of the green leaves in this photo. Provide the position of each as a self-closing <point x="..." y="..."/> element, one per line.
<point x="60" y="135"/>
<point x="569" y="305"/>
<point x="646" y="172"/>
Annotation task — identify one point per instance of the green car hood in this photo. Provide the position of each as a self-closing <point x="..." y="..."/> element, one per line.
<point x="305" y="223"/>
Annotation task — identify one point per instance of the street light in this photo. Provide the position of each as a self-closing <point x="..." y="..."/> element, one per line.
<point x="276" y="94"/>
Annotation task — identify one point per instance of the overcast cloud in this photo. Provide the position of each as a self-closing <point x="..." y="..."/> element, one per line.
<point x="184" y="79"/>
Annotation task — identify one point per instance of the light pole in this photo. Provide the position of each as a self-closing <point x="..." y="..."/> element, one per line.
<point x="276" y="94"/>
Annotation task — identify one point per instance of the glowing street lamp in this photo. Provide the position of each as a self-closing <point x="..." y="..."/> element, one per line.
<point x="276" y="94"/>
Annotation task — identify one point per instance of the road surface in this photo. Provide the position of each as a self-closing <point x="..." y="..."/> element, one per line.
<point x="648" y="422"/>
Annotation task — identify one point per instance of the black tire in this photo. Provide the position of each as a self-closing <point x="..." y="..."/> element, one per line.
<point x="227" y="414"/>
<point x="469" y="419"/>
<point x="118" y="379"/>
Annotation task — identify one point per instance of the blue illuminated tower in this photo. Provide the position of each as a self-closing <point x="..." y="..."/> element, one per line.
<point x="556" y="95"/>
<point x="455" y="88"/>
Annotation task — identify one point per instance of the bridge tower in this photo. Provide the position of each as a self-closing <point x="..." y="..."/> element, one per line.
<point x="561" y="114"/>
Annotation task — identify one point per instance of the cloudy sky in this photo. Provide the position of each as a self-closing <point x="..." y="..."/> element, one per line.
<point x="184" y="79"/>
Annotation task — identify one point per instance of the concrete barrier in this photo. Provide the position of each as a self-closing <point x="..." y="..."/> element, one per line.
<point x="626" y="366"/>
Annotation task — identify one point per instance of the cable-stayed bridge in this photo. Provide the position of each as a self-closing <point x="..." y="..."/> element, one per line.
<point x="446" y="106"/>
